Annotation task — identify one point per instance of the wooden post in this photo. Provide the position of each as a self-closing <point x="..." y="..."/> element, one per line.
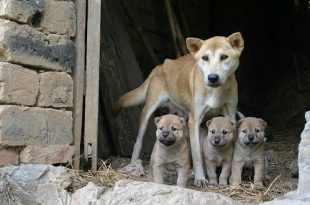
<point x="78" y="79"/>
<point x="92" y="81"/>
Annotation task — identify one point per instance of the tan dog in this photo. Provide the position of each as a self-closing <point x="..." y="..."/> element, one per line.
<point x="218" y="148"/>
<point x="202" y="84"/>
<point x="249" y="150"/>
<point x="171" y="152"/>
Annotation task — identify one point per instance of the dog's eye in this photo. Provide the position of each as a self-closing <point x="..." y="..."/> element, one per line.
<point x="224" y="132"/>
<point x="205" y="58"/>
<point x="244" y="131"/>
<point x="256" y="130"/>
<point x="161" y="128"/>
<point x="223" y="57"/>
<point x="212" y="131"/>
<point x="173" y="128"/>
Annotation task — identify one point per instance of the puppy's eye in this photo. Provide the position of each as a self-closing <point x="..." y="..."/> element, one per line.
<point x="244" y="131"/>
<point x="256" y="130"/>
<point x="173" y="128"/>
<point x="212" y="131"/>
<point x="205" y="58"/>
<point x="223" y="57"/>
<point x="161" y="128"/>
<point x="224" y="132"/>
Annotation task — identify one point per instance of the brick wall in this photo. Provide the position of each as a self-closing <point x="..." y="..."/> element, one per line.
<point x="36" y="89"/>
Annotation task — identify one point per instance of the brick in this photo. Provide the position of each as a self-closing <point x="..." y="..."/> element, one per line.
<point x="59" y="17"/>
<point x="50" y="154"/>
<point x="21" y="11"/>
<point x="8" y="156"/>
<point x="22" y="44"/>
<point x="18" y="85"/>
<point x="23" y="126"/>
<point x="56" y="90"/>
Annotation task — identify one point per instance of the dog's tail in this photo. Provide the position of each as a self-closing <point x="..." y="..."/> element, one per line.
<point x="133" y="97"/>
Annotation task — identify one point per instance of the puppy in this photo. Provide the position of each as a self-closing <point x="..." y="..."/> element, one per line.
<point x="218" y="149"/>
<point x="171" y="152"/>
<point x="249" y="150"/>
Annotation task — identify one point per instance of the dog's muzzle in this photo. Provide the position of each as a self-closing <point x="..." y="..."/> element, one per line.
<point x="213" y="80"/>
<point x="250" y="140"/>
<point x="166" y="139"/>
<point x="216" y="142"/>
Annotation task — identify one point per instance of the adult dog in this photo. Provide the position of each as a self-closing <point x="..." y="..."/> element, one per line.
<point x="202" y="83"/>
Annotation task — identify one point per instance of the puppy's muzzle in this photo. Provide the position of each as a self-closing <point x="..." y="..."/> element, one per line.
<point x="166" y="139"/>
<point x="250" y="140"/>
<point x="216" y="141"/>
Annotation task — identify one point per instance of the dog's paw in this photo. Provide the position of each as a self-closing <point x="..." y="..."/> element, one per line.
<point x="258" y="185"/>
<point x="223" y="184"/>
<point x="213" y="182"/>
<point x="201" y="183"/>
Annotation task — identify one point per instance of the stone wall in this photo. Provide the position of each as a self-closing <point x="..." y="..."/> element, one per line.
<point x="37" y="56"/>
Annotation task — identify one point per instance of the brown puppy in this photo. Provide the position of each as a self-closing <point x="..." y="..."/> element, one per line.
<point x="202" y="84"/>
<point x="171" y="152"/>
<point x="218" y="148"/>
<point x="249" y="150"/>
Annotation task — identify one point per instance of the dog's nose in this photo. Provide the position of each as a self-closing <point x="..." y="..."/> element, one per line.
<point x="217" y="140"/>
<point x="165" y="134"/>
<point x="213" y="78"/>
<point x="251" y="137"/>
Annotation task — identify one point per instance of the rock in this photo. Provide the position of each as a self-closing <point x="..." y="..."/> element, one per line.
<point x="22" y="44"/>
<point x="26" y="183"/>
<point x="135" y="169"/>
<point x="50" y="194"/>
<point x="59" y="17"/>
<point x="18" y="85"/>
<point x="56" y="90"/>
<point x="136" y="192"/>
<point x="88" y="195"/>
<point x="291" y="198"/>
<point x="8" y="156"/>
<point x="21" y="11"/>
<point x="22" y="126"/>
<point x="50" y="154"/>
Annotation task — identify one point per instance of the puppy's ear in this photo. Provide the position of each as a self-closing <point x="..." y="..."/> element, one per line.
<point x="239" y="123"/>
<point x="236" y="41"/>
<point x="208" y="123"/>
<point x="183" y="121"/>
<point x="193" y="45"/>
<point x="264" y="123"/>
<point x="156" y="120"/>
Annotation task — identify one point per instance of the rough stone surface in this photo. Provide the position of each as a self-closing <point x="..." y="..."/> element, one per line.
<point x="56" y="90"/>
<point x="25" y="184"/>
<point x="21" y="11"/>
<point x="22" y="126"/>
<point x="25" y="45"/>
<point x="290" y="198"/>
<point x="50" y="154"/>
<point x="135" y="169"/>
<point x="89" y="194"/>
<point x="8" y="156"/>
<point x="304" y="159"/>
<point x="18" y="85"/>
<point x="59" y="17"/>
<point x="136" y="192"/>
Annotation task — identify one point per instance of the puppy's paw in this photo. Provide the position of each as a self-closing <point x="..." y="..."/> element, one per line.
<point x="213" y="182"/>
<point x="201" y="183"/>
<point x="223" y="184"/>
<point x="258" y="185"/>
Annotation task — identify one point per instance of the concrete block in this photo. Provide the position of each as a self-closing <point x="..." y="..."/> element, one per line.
<point x="8" y="156"/>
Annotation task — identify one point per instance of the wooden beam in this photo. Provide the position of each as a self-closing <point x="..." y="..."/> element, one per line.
<point x="78" y="79"/>
<point x="92" y="81"/>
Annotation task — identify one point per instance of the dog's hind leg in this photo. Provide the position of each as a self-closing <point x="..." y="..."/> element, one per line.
<point x="152" y="103"/>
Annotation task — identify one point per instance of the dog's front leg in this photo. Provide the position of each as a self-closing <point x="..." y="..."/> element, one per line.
<point x="259" y="168"/>
<point x="158" y="173"/>
<point x="183" y="174"/>
<point x="230" y="110"/>
<point x="226" y="168"/>
<point x="236" y="171"/>
<point x="211" y="172"/>
<point x="194" y="124"/>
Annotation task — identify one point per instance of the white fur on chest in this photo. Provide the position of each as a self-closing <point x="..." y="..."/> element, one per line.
<point x="215" y="99"/>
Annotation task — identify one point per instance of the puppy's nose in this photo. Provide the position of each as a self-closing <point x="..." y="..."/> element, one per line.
<point x="251" y="137"/>
<point x="165" y="134"/>
<point x="217" y="140"/>
<point x="213" y="78"/>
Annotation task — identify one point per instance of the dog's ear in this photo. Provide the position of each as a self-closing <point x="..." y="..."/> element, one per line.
<point x="239" y="123"/>
<point x="193" y="44"/>
<point x="208" y="123"/>
<point x="156" y="120"/>
<point x="236" y="41"/>
<point x="264" y="123"/>
<point x="183" y="121"/>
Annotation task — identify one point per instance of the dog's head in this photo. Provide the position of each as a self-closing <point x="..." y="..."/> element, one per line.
<point x="220" y="132"/>
<point x="170" y="129"/>
<point x="251" y="131"/>
<point x="217" y="57"/>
